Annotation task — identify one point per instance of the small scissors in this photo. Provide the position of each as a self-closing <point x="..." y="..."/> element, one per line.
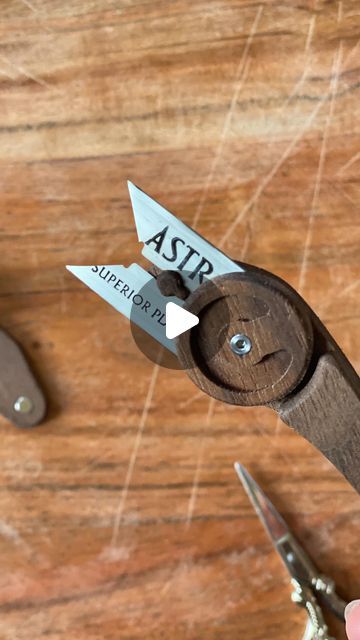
<point x="252" y="339"/>
<point x="311" y="589"/>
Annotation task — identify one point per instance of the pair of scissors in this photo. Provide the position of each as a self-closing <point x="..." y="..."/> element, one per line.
<point x="311" y="589"/>
<point x="256" y="341"/>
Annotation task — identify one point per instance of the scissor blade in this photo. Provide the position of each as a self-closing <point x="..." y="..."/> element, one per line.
<point x="273" y="522"/>
<point x="132" y="291"/>
<point x="168" y="244"/>
<point x="295" y="558"/>
<point x="171" y="244"/>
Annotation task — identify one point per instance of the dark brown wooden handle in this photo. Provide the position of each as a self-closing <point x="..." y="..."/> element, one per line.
<point x="327" y="413"/>
<point x="21" y="399"/>
<point x="293" y="365"/>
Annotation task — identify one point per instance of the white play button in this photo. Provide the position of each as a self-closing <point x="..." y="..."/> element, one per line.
<point x="178" y="320"/>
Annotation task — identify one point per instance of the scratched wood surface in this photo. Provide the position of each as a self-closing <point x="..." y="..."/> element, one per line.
<point x="121" y="516"/>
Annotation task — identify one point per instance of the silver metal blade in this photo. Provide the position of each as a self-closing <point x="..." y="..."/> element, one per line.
<point x="132" y="291"/>
<point x="296" y="560"/>
<point x="168" y="244"/>
<point x="294" y="557"/>
<point x="273" y="522"/>
<point x="171" y="244"/>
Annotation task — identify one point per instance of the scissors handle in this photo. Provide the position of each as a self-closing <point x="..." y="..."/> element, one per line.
<point x="302" y="569"/>
<point x="259" y="343"/>
<point x="326" y="411"/>
<point x="325" y="588"/>
<point x="304" y="597"/>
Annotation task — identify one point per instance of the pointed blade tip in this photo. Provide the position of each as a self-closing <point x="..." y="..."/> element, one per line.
<point x="73" y="268"/>
<point x="133" y="193"/>
<point x="247" y="481"/>
<point x="241" y="471"/>
<point x="70" y="268"/>
<point x="133" y="189"/>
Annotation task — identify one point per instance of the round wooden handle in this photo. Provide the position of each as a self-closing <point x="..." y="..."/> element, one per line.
<point x="252" y="345"/>
<point x="293" y="365"/>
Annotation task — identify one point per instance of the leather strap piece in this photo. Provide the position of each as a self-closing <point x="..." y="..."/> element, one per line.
<point x="21" y="399"/>
<point x="327" y="413"/>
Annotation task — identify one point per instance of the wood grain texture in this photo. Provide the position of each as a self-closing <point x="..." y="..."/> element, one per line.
<point x="122" y="515"/>
<point x="329" y="397"/>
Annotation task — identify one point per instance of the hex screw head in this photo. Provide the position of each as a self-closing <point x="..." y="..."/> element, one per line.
<point x="240" y="344"/>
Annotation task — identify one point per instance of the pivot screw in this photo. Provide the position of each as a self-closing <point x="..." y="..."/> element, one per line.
<point x="23" y="405"/>
<point x="240" y="344"/>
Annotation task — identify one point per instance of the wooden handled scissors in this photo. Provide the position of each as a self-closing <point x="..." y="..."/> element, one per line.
<point x="257" y="342"/>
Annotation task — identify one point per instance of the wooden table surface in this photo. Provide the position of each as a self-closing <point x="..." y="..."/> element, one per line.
<point x="121" y="516"/>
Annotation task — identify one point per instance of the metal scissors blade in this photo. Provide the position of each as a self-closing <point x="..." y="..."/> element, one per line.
<point x="269" y="516"/>
<point x="132" y="291"/>
<point x="171" y="244"/>
<point x="168" y="244"/>
<point x="296" y="560"/>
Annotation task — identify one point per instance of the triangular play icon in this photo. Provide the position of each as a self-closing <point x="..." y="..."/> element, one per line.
<point x="178" y="320"/>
